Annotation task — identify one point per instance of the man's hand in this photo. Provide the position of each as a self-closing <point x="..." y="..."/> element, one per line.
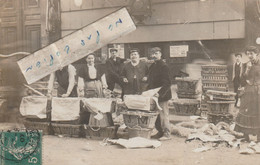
<point x="156" y="95"/>
<point x="125" y="80"/>
<point x="144" y="79"/>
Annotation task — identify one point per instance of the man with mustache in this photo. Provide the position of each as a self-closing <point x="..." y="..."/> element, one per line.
<point x="134" y="74"/>
<point x="159" y="76"/>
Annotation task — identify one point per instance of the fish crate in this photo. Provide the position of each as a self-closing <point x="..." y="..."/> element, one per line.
<point x="220" y="95"/>
<point x="219" y="86"/>
<point x="214" y="69"/>
<point x="44" y="126"/>
<point x="220" y="107"/>
<point x="139" y="118"/>
<point x="101" y="132"/>
<point x="214" y="77"/>
<point x="216" y="118"/>
<point x="187" y="85"/>
<point x="139" y="132"/>
<point x="186" y="107"/>
<point x="184" y="95"/>
<point x="67" y="129"/>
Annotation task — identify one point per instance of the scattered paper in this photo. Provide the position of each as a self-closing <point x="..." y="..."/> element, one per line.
<point x="201" y="149"/>
<point x="136" y="142"/>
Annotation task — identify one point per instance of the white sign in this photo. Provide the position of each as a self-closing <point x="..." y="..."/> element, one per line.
<point x="76" y="45"/>
<point x="179" y="51"/>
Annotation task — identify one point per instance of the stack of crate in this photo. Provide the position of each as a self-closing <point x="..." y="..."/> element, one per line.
<point x="214" y="77"/>
<point x="188" y="92"/>
<point x="220" y="106"/>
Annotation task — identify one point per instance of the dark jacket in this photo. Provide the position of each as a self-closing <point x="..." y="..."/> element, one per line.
<point x="134" y="75"/>
<point x="113" y="69"/>
<point x="159" y="76"/>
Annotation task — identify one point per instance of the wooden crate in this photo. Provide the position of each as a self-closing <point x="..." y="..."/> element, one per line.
<point x="214" y="77"/>
<point x="220" y="95"/>
<point x="220" y="107"/>
<point x="139" y="118"/>
<point x="101" y="132"/>
<point x="67" y="129"/>
<point x="214" y="69"/>
<point x="187" y="85"/>
<point x="220" y="86"/>
<point x="216" y="118"/>
<point x="186" y="107"/>
<point x="185" y="95"/>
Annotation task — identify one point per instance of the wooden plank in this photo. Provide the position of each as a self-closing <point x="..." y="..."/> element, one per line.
<point x="237" y="29"/>
<point x="70" y="5"/>
<point x="79" y="19"/>
<point x="178" y="32"/>
<point x="221" y="30"/>
<point x="76" y="45"/>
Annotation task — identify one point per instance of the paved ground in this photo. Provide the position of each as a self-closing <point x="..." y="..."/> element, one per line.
<point x="70" y="151"/>
<point x="82" y="151"/>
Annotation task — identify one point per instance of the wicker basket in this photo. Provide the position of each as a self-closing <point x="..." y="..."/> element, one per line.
<point x="220" y="95"/>
<point x="214" y="69"/>
<point x="139" y="118"/>
<point x="185" y="95"/>
<point x="139" y="132"/>
<point x="105" y="122"/>
<point x="187" y="85"/>
<point x="67" y="129"/>
<point x="101" y="132"/>
<point x="216" y="118"/>
<point x="186" y="107"/>
<point x="44" y="126"/>
<point x="220" y="107"/>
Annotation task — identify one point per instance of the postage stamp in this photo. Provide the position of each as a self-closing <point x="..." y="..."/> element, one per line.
<point x="23" y="147"/>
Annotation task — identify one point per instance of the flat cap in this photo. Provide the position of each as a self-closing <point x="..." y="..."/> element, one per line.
<point x="155" y="49"/>
<point x="113" y="49"/>
<point x="134" y="50"/>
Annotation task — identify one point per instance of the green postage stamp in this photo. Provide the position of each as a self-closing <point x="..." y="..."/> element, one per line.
<point x="23" y="147"/>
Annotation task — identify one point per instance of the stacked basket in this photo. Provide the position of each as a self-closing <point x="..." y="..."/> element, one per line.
<point x="220" y="106"/>
<point x="214" y="77"/>
<point x="139" y="123"/>
<point x="188" y="92"/>
<point x="139" y="115"/>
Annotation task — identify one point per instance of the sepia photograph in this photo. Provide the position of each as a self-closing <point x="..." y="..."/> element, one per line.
<point x="123" y="82"/>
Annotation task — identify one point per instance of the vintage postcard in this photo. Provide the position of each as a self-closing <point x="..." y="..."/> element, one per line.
<point x="117" y="82"/>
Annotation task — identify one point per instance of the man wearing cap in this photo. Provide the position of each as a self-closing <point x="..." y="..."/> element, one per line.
<point x="159" y="76"/>
<point x="114" y="66"/>
<point x="237" y="74"/>
<point x="134" y="74"/>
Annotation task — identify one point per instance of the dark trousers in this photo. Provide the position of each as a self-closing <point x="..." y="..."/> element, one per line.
<point x="237" y="84"/>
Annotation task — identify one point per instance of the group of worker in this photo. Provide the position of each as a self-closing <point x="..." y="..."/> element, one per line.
<point x="133" y="76"/>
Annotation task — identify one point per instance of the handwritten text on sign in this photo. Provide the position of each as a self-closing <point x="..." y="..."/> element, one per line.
<point x="76" y="45"/>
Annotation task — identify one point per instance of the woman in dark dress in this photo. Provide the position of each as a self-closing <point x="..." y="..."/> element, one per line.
<point x="248" y="118"/>
<point x="91" y="79"/>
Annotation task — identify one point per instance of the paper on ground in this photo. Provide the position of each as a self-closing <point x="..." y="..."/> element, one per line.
<point x="137" y="142"/>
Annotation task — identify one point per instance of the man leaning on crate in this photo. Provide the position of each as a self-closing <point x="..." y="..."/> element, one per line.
<point x="159" y="76"/>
